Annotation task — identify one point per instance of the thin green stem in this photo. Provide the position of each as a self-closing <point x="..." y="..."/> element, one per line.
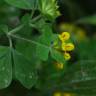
<point x="15" y="30"/>
<point x="36" y="18"/>
<point x="32" y="25"/>
<point x="10" y="41"/>
<point x="34" y="8"/>
<point x="11" y="54"/>
<point x="32" y="13"/>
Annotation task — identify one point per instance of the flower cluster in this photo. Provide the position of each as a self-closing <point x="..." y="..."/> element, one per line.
<point x="64" y="46"/>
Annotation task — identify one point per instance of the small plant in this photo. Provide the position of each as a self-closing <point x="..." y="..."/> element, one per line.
<point x="42" y="53"/>
<point x="20" y="60"/>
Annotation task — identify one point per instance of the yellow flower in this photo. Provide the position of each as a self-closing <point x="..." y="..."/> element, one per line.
<point x="64" y="36"/>
<point x="67" y="56"/>
<point x="57" y="94"/>
<point x="59" y="65"/>
<point x="69" y="94"/>
<point x="67" y="47"/>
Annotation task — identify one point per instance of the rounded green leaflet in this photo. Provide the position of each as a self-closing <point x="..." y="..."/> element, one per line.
<point x="5" y="67"/>
<point x="24" y="71"/>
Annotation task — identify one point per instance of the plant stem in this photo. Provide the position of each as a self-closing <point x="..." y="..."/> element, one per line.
<point x="32" y="25"/>
<point x="32" y="13"/>
<point x="10" y="41"/>
<point x="36" y="18"/>
<point x="16" y="29"/>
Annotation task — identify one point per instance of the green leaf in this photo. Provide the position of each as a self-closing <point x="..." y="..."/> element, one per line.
<point x="40" y="25"/>
<point x="24" y="4"/>
<point x="24" y="70"/>
<point x="88" y="20"/>
<point x="25" y="61"/>
<point x="42" y="52"/>
<point x="24" y="53"/>
<point x="5" y="67"/>
<point x="28" y="50"/>
<point x="57" y="56"/>
<point x="25" y="19"/>
<point x="45" y="43"/>
<point x="3" y="28"/>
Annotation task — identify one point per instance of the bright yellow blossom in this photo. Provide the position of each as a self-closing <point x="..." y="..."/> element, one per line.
<point x="67" y="56"/>
<point x="67" y="47"/>
<point x="57" y="94"/>
<point x="64" y="47"/>
<point x="64" y="36"/>
<point x="67" y="94"/>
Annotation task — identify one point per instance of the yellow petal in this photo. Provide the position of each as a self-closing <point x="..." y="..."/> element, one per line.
<point x="67" y="94"/>
<point x="57" y="94"/>
<point x="67" y="56"/>
<point x="67" y="47"/>
<point x="64" y="36"/>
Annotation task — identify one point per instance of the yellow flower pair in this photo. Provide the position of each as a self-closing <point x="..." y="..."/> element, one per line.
<point x="66" y="46"/>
